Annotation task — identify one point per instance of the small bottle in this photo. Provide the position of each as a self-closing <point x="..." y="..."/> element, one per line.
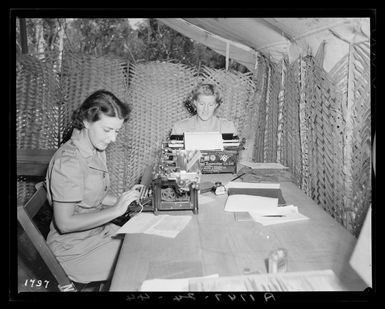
<point x="278" y="261"/>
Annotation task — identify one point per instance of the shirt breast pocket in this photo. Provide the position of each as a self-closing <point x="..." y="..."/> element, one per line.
<point x="96" y="186"/>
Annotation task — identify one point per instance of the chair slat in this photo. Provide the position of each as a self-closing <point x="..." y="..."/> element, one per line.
<point x="42" y="247"/>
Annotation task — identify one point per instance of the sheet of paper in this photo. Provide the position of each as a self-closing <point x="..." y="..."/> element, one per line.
<point x="139" y="223"/>
<point x="252" y="203"/>
<point x="255" y="165"/>
<point x="176" y="285"/>
<point x="169" y="226"/>
<point x="161" y="225"/>
<point x="203" y="141"/>
<point x="320" y="280"/>
<point x="289" y="213"/>
<point x="251" y="185"/>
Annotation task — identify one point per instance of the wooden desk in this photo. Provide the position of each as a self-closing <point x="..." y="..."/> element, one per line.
<point x="214" y="243"/>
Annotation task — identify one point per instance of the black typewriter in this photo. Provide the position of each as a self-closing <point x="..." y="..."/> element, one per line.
<point x="176" y="177"/>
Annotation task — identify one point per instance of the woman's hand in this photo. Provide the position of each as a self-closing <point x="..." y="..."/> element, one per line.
<point x="126" y="199"/>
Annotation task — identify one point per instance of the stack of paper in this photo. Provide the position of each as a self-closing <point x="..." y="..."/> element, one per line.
<point x="262" y="209"/>
<point x="161" y="225"/>
<point x="280" y="215"/>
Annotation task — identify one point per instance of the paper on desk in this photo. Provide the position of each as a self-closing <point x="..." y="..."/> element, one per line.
<point x="203" y="141"/>
<point x="251" y="185"/>
<point x="260" y="165"/>
<point x="161" y="225"/>
<point x="252" y="203"/>
<point x="290" y="213"/>
<point x="176" y="285"/>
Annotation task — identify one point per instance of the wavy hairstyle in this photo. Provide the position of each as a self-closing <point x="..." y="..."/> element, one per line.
<point x="202" y="89"/>
<point x="99" y="102"/>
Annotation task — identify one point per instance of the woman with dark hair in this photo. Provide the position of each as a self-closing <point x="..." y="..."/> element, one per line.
<point x="78" y="183"/>
<point x="204" y="100"/>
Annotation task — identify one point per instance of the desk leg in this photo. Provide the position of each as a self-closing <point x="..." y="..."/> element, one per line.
<point x="194" y="200"/>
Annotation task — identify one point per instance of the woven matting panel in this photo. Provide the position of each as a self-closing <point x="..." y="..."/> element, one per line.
<point x="157" y="92"/>
<point x="360" y="142"/>
<point x="291" y="145"/>
<point x="262" y="81"/>
<point x="37" y="99"/>
<point x="37" y="110"/>
<point x="81" y="76"/>
<point x="324" y="138"/>
<point x="272" y="109"/>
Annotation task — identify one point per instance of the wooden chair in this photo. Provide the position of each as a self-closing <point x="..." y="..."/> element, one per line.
<point x="25" y="216"/>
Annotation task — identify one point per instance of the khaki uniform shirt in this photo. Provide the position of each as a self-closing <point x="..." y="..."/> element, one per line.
<point x="77" y="173"/>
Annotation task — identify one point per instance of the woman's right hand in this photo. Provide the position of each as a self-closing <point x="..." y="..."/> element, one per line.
<point x="125" y="200"/>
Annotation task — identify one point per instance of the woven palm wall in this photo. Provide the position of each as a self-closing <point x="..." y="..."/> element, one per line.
<point x="37" y="101"/>
<point x="352" y="77"/>
<point x="156" y="93"/>
<point x="82" y="75"/>
<point x="326" y="136"/>
<point x="262" y="79"/>
<point x="291" y="150"/>
<point x="322" y="133"/>
<point x="269" y="80"/>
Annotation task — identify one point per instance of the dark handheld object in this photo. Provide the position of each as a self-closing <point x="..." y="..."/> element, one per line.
<point x="132" y="209"/>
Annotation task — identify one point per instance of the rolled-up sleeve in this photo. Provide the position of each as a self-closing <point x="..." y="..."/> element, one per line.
<point x="66" y="181"/>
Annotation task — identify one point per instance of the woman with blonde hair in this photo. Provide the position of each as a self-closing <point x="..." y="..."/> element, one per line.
<point x="204" y="100"/>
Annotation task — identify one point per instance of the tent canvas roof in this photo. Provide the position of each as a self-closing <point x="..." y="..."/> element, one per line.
<point x="242" y="39"/>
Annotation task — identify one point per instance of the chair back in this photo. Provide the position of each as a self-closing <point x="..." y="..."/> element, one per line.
<point x="25" y="216"/>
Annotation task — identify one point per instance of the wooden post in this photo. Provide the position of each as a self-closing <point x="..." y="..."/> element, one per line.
<point x="23" y="36"/>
